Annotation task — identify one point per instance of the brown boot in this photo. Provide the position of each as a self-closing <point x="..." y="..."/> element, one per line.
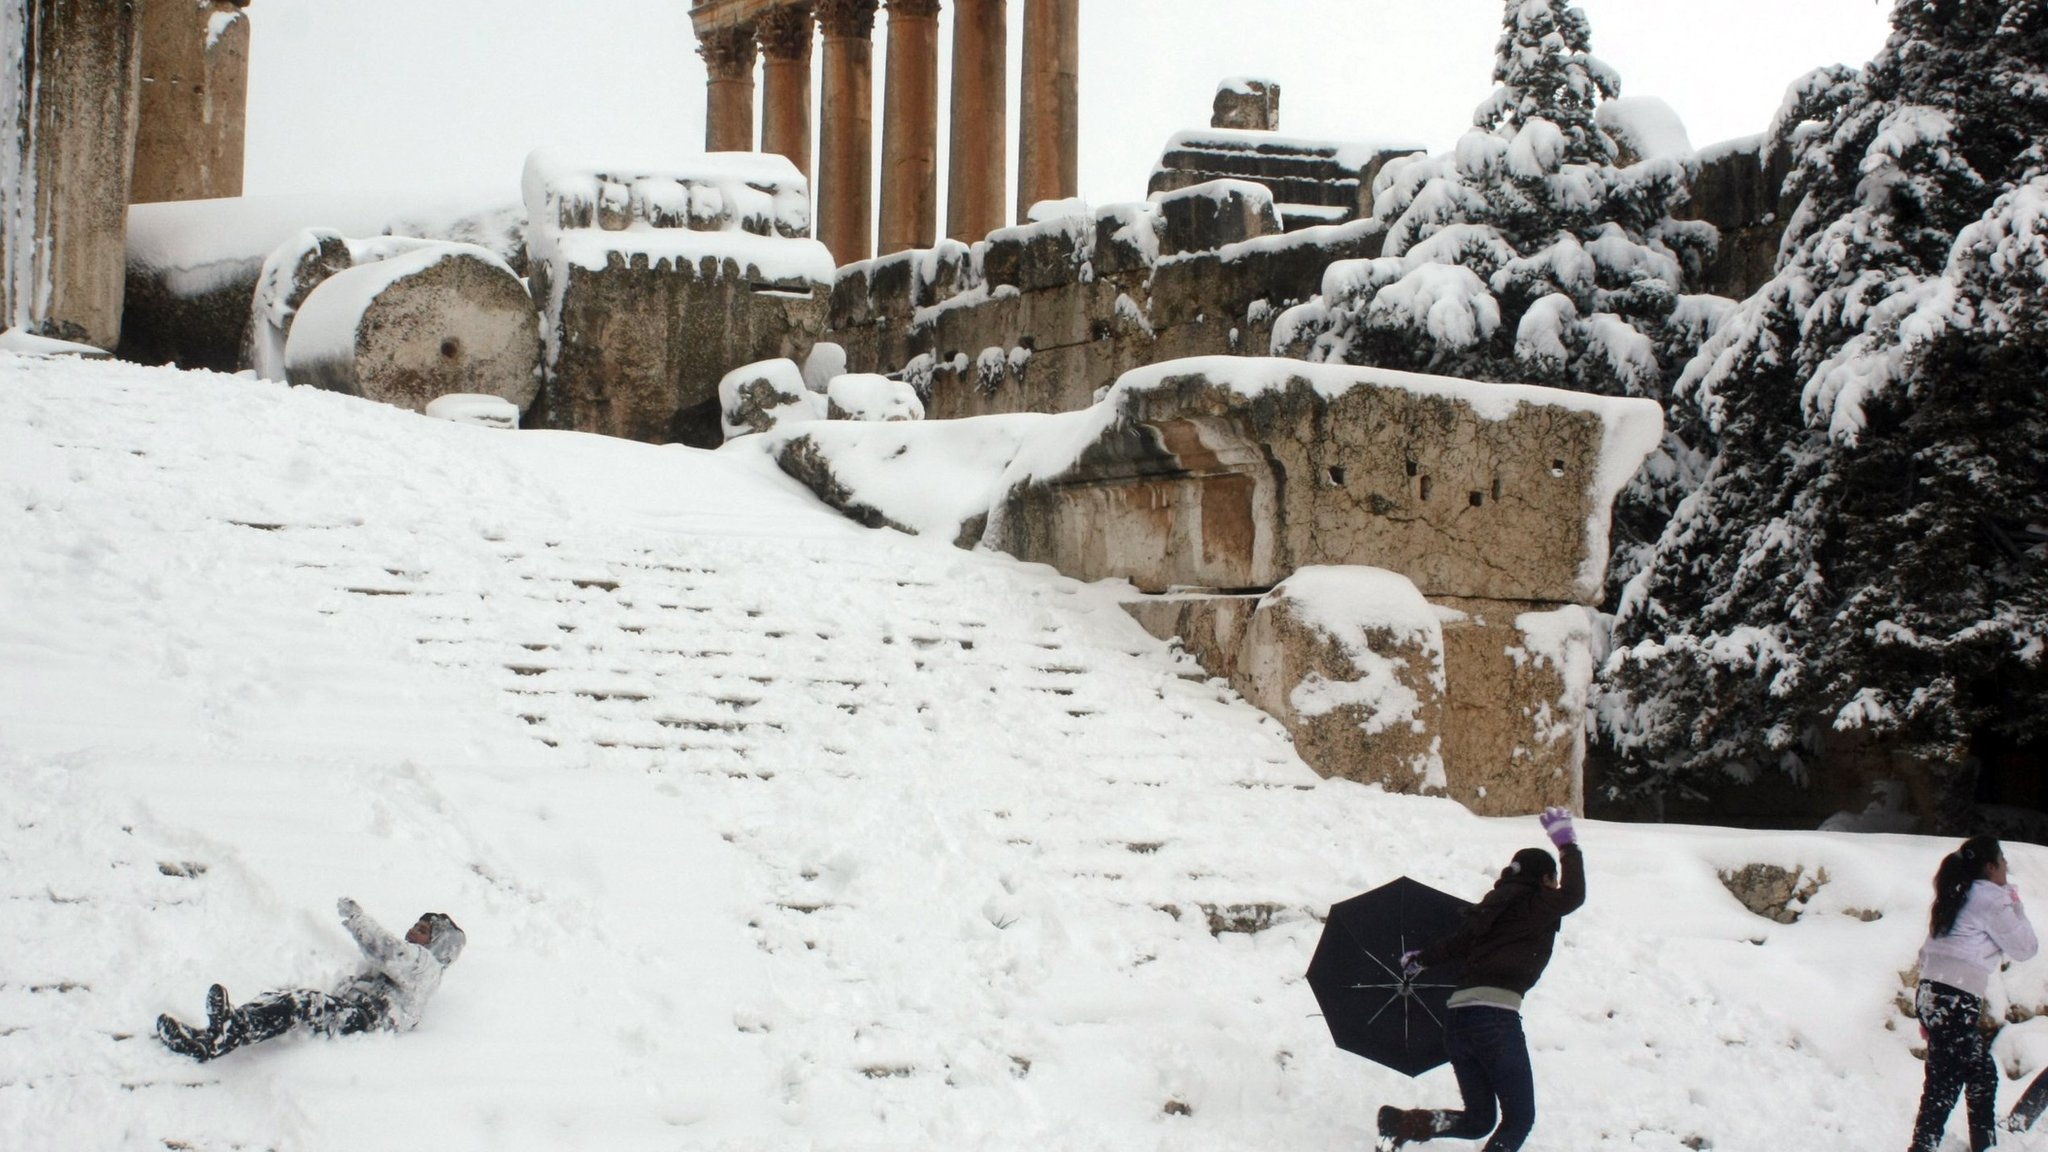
<point x="1399" y="1126"/>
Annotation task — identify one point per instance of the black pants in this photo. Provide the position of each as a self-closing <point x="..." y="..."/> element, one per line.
<point x="355" y="1007"/>
<point x="1958" y="1064"/>
<point x="1491" y="1058"/>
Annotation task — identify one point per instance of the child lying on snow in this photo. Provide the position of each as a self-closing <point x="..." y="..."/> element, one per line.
<point x="390" y="995"/>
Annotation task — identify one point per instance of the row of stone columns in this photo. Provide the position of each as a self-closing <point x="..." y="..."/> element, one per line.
<point x="732" y="34"/>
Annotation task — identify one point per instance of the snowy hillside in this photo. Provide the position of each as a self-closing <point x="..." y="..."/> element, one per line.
<point x="768" y="831"/>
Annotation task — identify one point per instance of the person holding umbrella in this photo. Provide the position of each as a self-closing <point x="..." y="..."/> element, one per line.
<point x="1504" y="944"/>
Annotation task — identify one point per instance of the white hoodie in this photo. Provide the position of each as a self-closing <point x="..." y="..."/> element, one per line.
<point x="1991" y="925"/>
<point x="414" y="971"/>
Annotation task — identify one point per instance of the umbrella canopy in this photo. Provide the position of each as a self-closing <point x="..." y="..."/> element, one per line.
<point x="1371" y="1008"/>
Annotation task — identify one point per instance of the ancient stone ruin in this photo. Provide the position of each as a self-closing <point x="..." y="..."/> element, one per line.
<point x="1398" y="567"/>
<point x="654" y="282"/>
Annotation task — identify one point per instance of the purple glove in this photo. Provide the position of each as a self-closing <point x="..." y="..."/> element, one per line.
<point x="1557" y="824"/>
<point x="1411" y="966"/>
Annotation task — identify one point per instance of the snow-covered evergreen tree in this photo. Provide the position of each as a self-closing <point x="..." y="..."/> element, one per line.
<point x="1864" y="556"/>
<point x="1526" y="255"/>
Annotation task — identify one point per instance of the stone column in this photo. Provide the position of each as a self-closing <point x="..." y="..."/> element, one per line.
<point x="846" y="165"/>
<point x="1048" y="149"/>
<point x="910" y="128"/>
<point x="1248" y="105"/>
<point x="786" y="34"/>
<point x="978" y="181"/>
<point x="195" y="97"/>
<point x="67" y="150"/>
<point x="729" y="55"/>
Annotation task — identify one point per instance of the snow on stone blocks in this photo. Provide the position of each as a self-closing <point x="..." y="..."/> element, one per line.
<point x="431" y="320"/>
<point x="1230" y="473"/>
<point x="193" y="266"/>
<point x="758" y="398"/>
<point x="1247" y="105"/>
<point x="1351" y="661"/>
<point x="1205" y="217"/>
<point x="1312" y="181"/>
<point x="67" y="133"/>
<point x="657" y="279"/>
<point x="868" y="397"/>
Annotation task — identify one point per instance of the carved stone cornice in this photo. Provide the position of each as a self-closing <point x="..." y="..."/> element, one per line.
<point x="729" y="53"/>
<point x="914" y="9"/>
<point x="786" y="32"/>
<point x="847" y="17"/>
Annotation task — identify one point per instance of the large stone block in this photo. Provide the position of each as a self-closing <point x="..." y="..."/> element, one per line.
<point x="435" y="320"/>
<point x="195" y="95"/>
<point x="1247" y="105"/>
<point x="657" y="280"/>
<point x="1232" y="473"/>
<point x="1204" y="217"/>
<point x="67" y="138"/>
<point x="1514" y="722"/>
<point x="1312" y="181"/>
<point x="1209" y="627"/>
<point x="1351" y="661"/>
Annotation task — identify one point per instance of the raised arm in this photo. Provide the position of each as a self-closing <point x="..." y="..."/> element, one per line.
<point x="380" y="946"/>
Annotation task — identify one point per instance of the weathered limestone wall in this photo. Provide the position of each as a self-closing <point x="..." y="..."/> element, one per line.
<point x="1740" y="191"/>
<point x="195" y="95"/>
<point x="1041" y="317"/>
<point x="67" y="134"/>
<point x="1506" y="726"/>
<point x="1198" y="486"/>
<point x="654" y="284"/>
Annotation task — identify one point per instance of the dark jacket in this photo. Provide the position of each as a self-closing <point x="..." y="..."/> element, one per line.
<point x="1506" y="939"/>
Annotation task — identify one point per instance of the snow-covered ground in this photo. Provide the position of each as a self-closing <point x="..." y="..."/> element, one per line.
<point x="768" y="831"/>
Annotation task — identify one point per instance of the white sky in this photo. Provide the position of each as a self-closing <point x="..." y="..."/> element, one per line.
<point x="378" y="95"/>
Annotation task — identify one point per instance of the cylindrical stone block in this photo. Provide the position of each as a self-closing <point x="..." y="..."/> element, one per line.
<point x="846" y="160"/>
<point x="67" y="137"/>
<point x="428" y="323"/>
<point x="910" y="128"/>
<point x="1048" y="148"/>
<point x="194" y="104"/>
<point x="978" y="160"/>
<point x="729" y="55"/>
<point x="786" y="35"/>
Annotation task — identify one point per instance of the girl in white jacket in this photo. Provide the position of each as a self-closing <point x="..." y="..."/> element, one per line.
<point x="1977" y="923"/>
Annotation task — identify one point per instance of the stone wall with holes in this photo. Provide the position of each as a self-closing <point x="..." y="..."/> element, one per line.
<point x="1042" y="317"/>
<point x="1205" y="490"/>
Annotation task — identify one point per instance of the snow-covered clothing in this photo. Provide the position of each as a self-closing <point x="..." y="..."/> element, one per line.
<point x="1958" y="1064"/>
<point x="390" y="995"/>
<point x="1991" y="926"/>
<point x="409" y="973"/>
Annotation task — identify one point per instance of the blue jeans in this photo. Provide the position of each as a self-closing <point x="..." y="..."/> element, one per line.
<point x="1491" y="1059"/>
<point x="1958" y="1064"/>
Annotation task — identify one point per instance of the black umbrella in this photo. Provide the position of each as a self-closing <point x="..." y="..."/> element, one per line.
<point x="1371" y="1008"/>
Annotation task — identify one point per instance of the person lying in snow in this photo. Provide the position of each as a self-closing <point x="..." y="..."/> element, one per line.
<point x="1505" y="943"/>
<point x="390" y="995"/>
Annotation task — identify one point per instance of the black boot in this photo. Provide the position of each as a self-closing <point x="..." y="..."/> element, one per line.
<point x="217" y="1009"/>
<point x="184" y="1039"/>
<point x="1401" y="1126"/>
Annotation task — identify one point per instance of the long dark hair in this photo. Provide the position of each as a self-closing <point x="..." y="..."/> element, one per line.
<point x="1960" y="869"/>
